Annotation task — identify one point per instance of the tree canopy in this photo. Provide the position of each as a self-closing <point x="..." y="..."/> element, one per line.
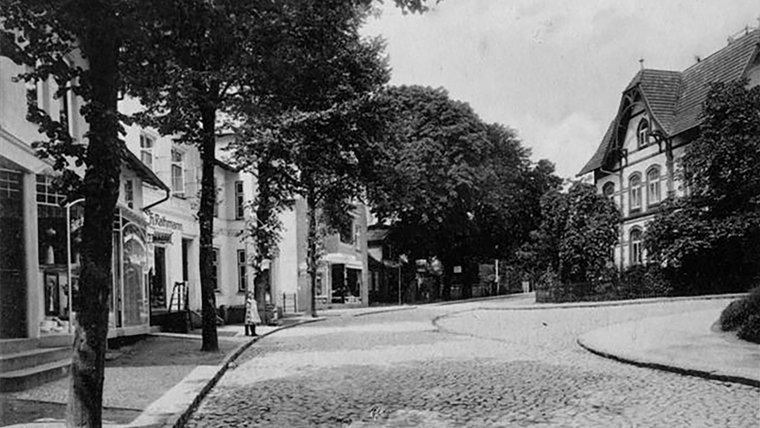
<point x="576" y="235"/>
<point x="450" y="185"/>
<point x="709" y="240"/>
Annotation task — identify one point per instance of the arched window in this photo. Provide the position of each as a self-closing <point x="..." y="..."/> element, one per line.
<point x="637" y="249"/>
<point x="634" y="184"/>
<point x="608" y="189"/>
<point x="643" y="133"/>
<point x="653" y="186"/>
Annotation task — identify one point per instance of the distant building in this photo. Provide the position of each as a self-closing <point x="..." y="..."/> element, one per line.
<point x="342" y="273"/>
<point x="637" y="161"/>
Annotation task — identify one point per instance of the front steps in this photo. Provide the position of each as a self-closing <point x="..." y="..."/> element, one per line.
<point x="26" y="363"/>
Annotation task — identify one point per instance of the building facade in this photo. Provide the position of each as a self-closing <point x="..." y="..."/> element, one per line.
<point x="343" y="271"/>
<point x="638" y="161"/>
<point x="39" y="257"/>
<point x="173" y="230"/>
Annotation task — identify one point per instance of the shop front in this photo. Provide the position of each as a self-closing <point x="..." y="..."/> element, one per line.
<point x="344" y="274"/>
<point x="129" y="304"/>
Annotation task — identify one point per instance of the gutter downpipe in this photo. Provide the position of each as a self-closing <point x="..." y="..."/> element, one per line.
<point x="160" y="201"/>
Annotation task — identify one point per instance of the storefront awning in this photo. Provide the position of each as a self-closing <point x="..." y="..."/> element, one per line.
<point x="344" y="259"/>
<point x="161" y="237"/>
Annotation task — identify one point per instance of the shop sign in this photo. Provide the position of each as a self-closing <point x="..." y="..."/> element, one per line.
<point x="160" y="221"/>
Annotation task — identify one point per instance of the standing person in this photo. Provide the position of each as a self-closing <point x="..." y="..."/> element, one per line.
<point x="251" y="314"/>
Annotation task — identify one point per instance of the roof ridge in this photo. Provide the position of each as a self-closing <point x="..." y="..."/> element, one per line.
<point x="743" y="39"/>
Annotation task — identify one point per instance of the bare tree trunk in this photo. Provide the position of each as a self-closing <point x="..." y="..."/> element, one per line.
<point x="101" y="191"/>
<point x="312" y="248"/>
<point x="206" y="220"/>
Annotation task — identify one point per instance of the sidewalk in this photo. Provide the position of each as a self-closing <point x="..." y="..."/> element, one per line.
<point x="154" y="382"/>
<point x="685" y="343"/>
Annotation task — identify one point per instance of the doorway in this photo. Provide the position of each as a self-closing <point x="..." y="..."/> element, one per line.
<point x="158" y="285"/>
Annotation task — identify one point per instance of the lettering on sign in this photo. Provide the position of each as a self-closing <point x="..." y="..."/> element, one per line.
<point x="161" y="221"/>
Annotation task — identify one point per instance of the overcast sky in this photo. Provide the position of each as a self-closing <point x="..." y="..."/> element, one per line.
<point x="553" y="70"/>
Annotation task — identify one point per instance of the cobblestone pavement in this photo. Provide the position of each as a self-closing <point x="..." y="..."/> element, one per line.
<point x="475" y="364"/>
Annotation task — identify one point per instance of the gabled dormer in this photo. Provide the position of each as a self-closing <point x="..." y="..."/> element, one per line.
<point x="671" y="103"/>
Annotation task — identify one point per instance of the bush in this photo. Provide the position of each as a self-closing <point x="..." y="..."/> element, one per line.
<point x="750" y="330"/>
<point x="643" y="281"/>
<point x="743" y="316"/>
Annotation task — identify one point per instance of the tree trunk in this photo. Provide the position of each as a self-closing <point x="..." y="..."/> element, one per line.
<point x="101" y="191"/>
<point x="312" y="248"/>
<point x="263" y="219"/>
<point x="206" y="220"/>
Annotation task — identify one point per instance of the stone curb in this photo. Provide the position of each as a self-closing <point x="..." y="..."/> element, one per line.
<point x="179" y="420"/>
<point x="473" y="300"/>
<point x="645" y="301"/>
<point x="687" y="371"/>
<point x="385" y="311"/>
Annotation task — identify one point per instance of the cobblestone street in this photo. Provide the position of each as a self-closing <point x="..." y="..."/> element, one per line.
<point x="474" y="364"/>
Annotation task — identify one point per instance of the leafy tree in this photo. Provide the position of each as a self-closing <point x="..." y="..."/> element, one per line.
<point x="590" y="232"/>
<point x="709" y="240"/>
<point x="577" y="233"/>
<point x="198" y="64"/>
<point x="452" y="186"/>
<point x="51" y="38"/>
<point x="44" y="35"/>
<point x="314" y="127"/>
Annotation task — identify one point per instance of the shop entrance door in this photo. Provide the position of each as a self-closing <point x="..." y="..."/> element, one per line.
<point x="338" y="274"/>
<point x="158" y="287"/>
<point x="12" y="273"/>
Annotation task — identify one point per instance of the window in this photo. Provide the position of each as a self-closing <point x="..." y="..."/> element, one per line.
<point x="239" y="200"/>
<point x="643" y="133"/>
<point x="637" y="249"/>
<point x="653" y="186"/>
<point x="215" y="268"/>
<point x="46" y="193"/>
<point x="63" y="111"/>
<point x="635" y="191"/>
<point x="129" y="193"/>
<point x="608" y="189"/>
<point x="146" y="150"/>
<point x="51" y="223"/>
<point x="178" y="173"/>
<point x="242" y="271"/>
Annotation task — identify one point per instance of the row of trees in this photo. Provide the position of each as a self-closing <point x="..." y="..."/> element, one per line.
<point x="196" y="65"/>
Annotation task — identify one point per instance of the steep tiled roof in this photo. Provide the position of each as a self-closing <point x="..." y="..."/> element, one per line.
<point x="729" y="63"/>
<point x="597" y="160"/>
<point x="661" y="89"/>
<point x="675" y="98"/>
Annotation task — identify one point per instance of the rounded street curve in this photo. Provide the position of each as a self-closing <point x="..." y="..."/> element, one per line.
<point x="480" y="364"/>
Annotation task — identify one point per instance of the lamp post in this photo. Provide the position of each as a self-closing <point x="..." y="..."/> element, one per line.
<point x="68" y="258"/>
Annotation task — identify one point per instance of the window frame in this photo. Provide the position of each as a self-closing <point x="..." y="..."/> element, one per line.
<point x="129" y="193"/>
<point x="642" y="133"/>
<point x="654" y="186"/>
<point x="178" y="165"/>
<point x="242" y="263"/>
<point x="607" y="186"/>
<point x="239" y="200"/>
<point x="634" y="192"/>
<point x="636" y="246"/>
<point x="147" y="143"/>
